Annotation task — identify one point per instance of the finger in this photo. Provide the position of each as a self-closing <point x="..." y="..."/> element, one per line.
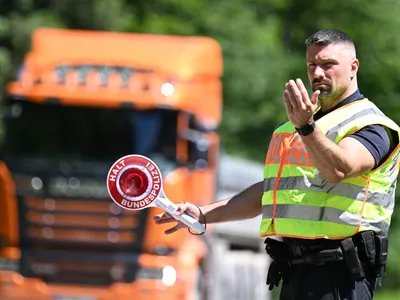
<point x="181" y="209"/>
<point x="295" y="96"/>
<point x="288" y="104"/>
<point x="164" y="221"/>
<point x="290" y="97"/>
<point x="314" y="97"/>
<point x="303" y="91"/>
<point x="172" y="230"/>
<point x="162" y="216"/>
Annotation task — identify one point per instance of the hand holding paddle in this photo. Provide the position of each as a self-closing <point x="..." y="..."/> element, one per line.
<point x="134" y="182"/>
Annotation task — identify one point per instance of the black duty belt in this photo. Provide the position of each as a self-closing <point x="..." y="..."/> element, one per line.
<point x="364" y="254"/>
<point x="314" y="253"/>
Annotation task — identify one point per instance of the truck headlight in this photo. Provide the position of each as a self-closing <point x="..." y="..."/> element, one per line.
<point x="168" y="276"/>
<point x="167" y="89"/>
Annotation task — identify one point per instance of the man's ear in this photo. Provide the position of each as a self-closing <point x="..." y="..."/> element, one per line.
<point x="354" y="67"/>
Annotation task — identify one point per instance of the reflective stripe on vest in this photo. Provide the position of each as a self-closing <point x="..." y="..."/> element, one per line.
<point x="298" y="201"/>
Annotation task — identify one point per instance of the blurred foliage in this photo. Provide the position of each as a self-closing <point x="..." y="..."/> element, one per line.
<point x="263" y="47"/>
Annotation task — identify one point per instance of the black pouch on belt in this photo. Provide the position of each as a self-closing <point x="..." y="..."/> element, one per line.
<point x="352" y="260"/>
<point x="382" y="244"/>
<point x="365" y="242"/>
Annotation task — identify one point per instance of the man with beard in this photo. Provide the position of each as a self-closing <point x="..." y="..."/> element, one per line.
<point x="329" y="183"/>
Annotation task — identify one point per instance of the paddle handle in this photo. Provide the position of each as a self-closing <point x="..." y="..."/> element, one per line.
<point x="170" y="207"/>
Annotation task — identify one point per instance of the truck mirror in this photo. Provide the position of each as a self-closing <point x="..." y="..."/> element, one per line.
<point x="198" y="148"/>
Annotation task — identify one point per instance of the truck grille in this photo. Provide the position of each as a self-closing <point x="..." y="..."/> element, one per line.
<point x="83" y="268"/>
<point x="76" y="241"/>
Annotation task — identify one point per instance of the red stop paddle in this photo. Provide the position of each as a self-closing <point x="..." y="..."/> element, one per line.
<point x="134" y="182"/>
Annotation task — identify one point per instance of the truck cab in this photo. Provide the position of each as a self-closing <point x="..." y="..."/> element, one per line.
<point x="81" y="100"/>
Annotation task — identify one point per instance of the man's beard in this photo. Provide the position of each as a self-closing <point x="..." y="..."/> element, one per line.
<point x="331" y="96"/>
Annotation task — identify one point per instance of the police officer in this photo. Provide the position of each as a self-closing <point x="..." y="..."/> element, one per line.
<point x="329" y="183"/>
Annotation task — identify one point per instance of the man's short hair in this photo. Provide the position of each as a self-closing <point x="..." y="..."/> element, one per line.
<point x="329" y="36"/>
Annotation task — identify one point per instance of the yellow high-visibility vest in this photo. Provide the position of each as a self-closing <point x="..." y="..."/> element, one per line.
<point x="298" y="201"/>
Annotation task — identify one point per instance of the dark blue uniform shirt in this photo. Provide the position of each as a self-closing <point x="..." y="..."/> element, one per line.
<point x="374" y="137"/>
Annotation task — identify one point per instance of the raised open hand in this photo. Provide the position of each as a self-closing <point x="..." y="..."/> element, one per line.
<point x="299" y="106"/>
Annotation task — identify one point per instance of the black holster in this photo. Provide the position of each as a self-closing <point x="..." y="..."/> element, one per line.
<point x="381" y="245"/>
<point x="365" y="255"/>
<point x="280" y="253"/>
<point x="352" y="261"/>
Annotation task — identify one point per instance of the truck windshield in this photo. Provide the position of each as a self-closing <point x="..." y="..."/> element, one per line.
<point x="53" y="131"/>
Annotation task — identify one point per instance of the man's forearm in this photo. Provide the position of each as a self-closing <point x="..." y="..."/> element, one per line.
<point x="327" y="156"/>
<point x="244" y="205"/>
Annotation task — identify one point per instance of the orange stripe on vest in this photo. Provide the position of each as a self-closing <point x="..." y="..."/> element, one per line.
<point x="296" y="151"/>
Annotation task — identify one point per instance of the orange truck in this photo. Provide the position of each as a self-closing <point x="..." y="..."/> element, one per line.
<point x="81" y="100"/>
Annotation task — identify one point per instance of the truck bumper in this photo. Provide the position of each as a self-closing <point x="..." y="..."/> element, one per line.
<point x="160" y="277"/>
